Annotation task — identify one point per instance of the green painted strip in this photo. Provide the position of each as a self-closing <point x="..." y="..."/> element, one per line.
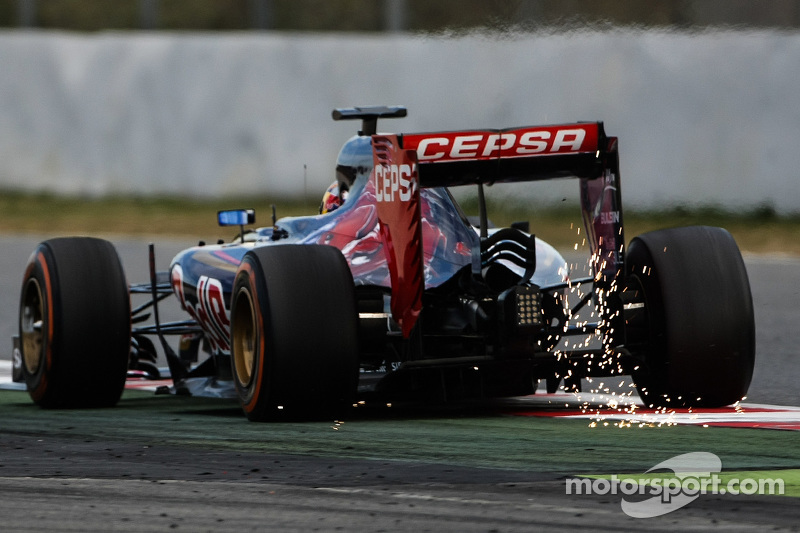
<point x="482" y="436"/>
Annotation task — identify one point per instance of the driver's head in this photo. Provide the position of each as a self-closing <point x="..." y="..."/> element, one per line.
<point x="355" y="159"/>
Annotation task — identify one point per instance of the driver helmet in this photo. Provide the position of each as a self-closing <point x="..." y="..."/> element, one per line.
<point x="354" y="160"/>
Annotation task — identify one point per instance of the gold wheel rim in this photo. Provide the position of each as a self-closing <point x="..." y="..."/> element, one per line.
<point x="32" y="327"/>
<point x="245" y="338"/>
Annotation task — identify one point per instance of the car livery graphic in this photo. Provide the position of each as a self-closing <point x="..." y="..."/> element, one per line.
<point x="393" y="293"/>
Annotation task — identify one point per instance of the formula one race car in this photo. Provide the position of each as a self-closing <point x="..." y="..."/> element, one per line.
<point x="393" y="293"/>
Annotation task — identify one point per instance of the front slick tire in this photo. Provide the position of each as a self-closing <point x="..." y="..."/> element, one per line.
<point x="699" y="342"/>
<point x="74" y="324"/>
<point x="294" y="332"/>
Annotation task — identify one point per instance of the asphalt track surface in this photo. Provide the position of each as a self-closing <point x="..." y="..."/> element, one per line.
<point x="158" y="463"/>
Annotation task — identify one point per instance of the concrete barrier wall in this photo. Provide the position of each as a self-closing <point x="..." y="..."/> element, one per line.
<point x="704" y="118"/>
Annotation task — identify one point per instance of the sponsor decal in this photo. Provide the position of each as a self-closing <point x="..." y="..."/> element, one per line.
<point x="609" y="217"/>
<point x="395" y="181"/>
<point x="208" y="309"/>
<point x="454" y="146"/>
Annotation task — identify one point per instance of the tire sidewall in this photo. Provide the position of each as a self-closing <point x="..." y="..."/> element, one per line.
<point x="248" y="283"/>
<point x="643" y="275"/>
<point x="41" y="383"/>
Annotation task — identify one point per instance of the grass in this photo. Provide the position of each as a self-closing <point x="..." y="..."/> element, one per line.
<point x="758" y="231"/>
<point x="166" y="216"/>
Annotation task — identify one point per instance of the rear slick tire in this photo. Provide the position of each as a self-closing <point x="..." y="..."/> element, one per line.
<point x="75" y="324"/>
<point x="294" y="332"/>
<point x="698" y="341"/>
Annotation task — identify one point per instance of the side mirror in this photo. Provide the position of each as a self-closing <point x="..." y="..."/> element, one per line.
<point x="236" y="217"/>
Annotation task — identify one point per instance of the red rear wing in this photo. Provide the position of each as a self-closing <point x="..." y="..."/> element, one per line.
<point x="515" y="154"/>
<point x="406" y="163"/>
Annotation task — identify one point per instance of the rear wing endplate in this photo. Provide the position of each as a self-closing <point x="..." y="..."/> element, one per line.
<point x="400" y="221"/>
